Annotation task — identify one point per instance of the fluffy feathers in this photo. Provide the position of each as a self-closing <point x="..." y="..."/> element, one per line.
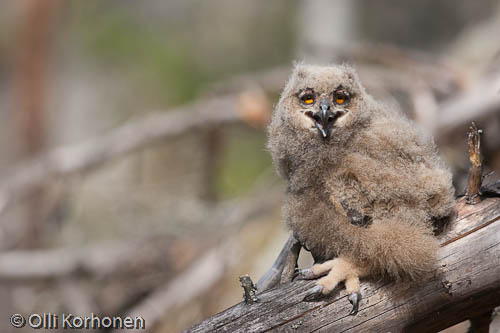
<point x="373" y="192"/>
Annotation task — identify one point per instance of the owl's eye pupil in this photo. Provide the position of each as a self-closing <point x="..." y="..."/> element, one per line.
<point x="341" y="97"/>
<point x="308" y="99"/>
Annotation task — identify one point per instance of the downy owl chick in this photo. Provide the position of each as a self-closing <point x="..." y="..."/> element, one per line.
<point x="366" y="190"/>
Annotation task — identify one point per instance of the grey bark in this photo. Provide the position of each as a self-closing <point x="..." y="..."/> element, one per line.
<point x="465" y="285"/>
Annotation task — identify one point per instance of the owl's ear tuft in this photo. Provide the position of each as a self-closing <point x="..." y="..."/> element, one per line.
<point x="352" y="77"/>
<point x="299" y="69"/>
<point x="350" y="73"/>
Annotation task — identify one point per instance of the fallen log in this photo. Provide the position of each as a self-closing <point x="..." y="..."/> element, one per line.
<point x="465" y="285"/>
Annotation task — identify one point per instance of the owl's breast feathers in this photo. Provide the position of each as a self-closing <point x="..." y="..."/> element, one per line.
<point x="387" y="173"/>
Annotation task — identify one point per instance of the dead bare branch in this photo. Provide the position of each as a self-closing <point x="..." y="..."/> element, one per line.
<point x="478" y="101"/>
<point x="465" y="285"/>
<point x="472" y="196"/>
<point x="283" y="267"/>
<point x="132" y="136"/>
<point x="249" y="289"/>
<point x="27" y="265"/>
<point x="188" y="284"/>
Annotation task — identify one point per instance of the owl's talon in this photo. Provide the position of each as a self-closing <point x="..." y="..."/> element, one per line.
<point x="314" y="293"/>
<point x="354" y="299"/>
<point x="304" y="274"/>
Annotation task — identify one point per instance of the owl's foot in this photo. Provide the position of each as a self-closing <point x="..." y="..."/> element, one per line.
<point x="340" y="269"/>
<point x="314" y="272"/>
<point x="314" y="293"/>
<point x="354" y="299"/>
<point x="304" y="274"/>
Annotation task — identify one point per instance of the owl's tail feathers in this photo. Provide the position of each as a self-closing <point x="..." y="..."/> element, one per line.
<point x="399" y="250"/>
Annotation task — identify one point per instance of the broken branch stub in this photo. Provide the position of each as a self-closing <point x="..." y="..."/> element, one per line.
<point x="249" y="289"/>
<point x="472" y="196"/>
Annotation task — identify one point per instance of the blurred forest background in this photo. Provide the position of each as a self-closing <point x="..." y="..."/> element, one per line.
<point x="134" y="178"/>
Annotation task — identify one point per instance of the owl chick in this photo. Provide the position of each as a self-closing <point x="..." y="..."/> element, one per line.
<point x="366" y="191"/>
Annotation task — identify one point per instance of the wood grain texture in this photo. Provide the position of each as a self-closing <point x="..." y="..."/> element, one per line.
<point x="466" y="284"/>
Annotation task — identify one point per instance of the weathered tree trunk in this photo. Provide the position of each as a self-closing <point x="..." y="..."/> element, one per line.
<point x="34" y="36"/>
<point x="465" y="285"/>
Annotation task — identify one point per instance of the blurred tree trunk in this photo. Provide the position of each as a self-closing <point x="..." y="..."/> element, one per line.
<point x="30" y="75"/>
<point x="324" y="26"/>
<point x="213" y="139"/>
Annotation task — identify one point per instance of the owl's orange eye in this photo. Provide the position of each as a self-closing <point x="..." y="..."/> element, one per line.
<point x="307" y="98"/>
<point x="341" y="97"/>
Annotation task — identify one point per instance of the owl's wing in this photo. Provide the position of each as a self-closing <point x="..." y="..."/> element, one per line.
<point x="353" y="203"/>
<point x="356" y="217"/>
<point x="395" y="182"/>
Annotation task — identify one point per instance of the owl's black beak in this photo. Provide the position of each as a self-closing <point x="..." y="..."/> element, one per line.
<point x="324" y="119"/>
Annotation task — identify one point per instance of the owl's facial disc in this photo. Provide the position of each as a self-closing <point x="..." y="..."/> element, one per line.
<point x="323" y="109"/>
<point x="324" y="118"/>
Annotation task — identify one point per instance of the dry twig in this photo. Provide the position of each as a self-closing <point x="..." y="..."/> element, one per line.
<point x="472" y="196"/>
<point x="249" y="290"/>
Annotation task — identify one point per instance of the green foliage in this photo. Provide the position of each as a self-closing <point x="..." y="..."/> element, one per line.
<point x="244" y="159"/>
<point x="157" y="58"/>
<point x="172" y="58"/>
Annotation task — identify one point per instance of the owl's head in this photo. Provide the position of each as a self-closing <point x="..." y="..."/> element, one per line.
<point x="322" y="102"/>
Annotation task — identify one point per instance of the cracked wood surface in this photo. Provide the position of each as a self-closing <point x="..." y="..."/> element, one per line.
<point x="466" y="284"/>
